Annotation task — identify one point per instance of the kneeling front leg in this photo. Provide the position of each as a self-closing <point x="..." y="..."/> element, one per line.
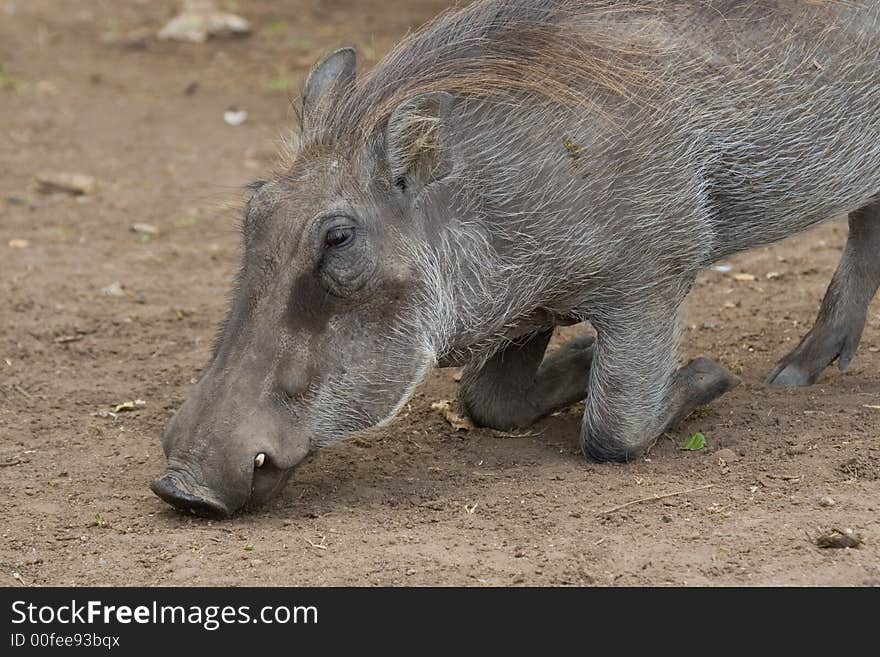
<point x="636" y="389"/>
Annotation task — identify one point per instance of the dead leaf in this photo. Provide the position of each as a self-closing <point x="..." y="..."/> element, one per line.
<point x="77" y="184"/>
<point x="201" y="20"/>
<point x="837" y="539"/>
<point x="458" y="422"/>
<point x="129" y="406"/>
<point x="744" y="278"/>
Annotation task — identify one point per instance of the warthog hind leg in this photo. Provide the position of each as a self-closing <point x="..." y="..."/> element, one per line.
<point x="519" y="385"/>
<point x="838" y="329"/>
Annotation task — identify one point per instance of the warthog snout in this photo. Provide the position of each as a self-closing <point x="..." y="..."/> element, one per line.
<point x="226" y="450"/>
<point x="181" y="493"/>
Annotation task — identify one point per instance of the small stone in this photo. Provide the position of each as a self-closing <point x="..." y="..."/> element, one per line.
<point x="827" y="501"/>
<point x="744" y="278"/>
<point x="235" y="116"/>
<point x="47" y="87"/>
<point x="726" y="455"/>
<point x="666" y="517"/>
<point x="19" y="244"/>
<point x="114" y="290"/>
<point x="145" y="229"/>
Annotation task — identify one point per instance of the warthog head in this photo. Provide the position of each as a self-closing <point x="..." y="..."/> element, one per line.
<point x="330" y="329"/>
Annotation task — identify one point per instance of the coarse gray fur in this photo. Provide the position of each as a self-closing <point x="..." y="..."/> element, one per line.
<point x="518" y="165"/>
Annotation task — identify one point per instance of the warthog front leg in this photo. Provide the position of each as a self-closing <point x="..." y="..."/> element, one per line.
<point x="518" y="385"/>
<point x="636" y="390"/>
<point x="838" y="329"/>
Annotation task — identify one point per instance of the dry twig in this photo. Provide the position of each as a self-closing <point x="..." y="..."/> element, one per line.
<point x="652" y="498"/>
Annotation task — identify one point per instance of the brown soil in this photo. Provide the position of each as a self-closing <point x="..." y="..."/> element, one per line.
<point x="418" y="503"/>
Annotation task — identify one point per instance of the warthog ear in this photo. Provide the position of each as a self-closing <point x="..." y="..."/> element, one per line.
<point x="417" y="154"/>
<point x="331" y="80"/>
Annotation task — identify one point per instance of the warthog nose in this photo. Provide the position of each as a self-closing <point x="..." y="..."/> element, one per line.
<point x="171" y="489"/>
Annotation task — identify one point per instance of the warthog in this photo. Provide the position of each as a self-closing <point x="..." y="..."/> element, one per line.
<point x="518" y="165"/>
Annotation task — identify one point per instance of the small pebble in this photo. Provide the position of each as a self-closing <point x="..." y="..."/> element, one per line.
<point x="145" y="229"/>
<point x="235" y="117"/>
<point x="827" y="501"/>
<point x="726" y="455"/>
<point x="114" y="289"/>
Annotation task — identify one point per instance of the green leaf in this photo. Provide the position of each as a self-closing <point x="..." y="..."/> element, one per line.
<point x="695" y="443"/>
<point x="8" y="81"/>
<point x="277" y="28"/>
<point x="281" y="83"/>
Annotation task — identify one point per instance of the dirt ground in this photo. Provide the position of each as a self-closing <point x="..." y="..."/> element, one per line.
<point x="83" y="89"/>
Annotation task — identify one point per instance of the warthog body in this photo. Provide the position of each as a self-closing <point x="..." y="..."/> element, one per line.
<point x="515" y="166"/>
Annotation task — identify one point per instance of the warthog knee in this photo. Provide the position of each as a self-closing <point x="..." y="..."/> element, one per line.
<point x="601" y="445"/>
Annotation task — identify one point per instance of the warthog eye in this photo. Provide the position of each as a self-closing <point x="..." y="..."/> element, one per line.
<point x="338" y="237"/>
